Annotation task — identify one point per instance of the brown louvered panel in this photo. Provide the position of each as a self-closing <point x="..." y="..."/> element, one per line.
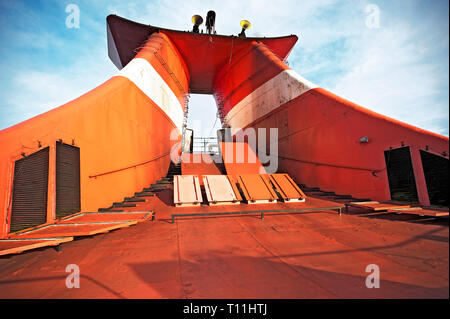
<point x="436" y="170"/>
<point x="402" y="183"/>
<point x="30" y="188"/>
<point x="67" y="180"/>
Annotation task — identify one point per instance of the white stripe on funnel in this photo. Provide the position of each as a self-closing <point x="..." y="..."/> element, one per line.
<point x="144" y="76"/>
<point x="277" y="91"/>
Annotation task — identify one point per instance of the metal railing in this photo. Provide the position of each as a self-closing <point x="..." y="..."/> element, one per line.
<point x="205" y="145"/>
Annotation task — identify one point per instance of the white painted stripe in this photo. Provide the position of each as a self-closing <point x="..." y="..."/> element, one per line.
<point x="277" y="91"/>
<point x="141" y="72"/>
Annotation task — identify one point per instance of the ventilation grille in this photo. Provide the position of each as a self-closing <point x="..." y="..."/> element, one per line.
<point x="435" y="169"/>
<point x="402" y="183"/>
<point x="30" y="188"/>
<point x="67" y="180"/>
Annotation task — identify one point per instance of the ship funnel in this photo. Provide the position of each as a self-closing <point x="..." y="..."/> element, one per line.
<point x="210" y="22"/>
<point x="197" y="21"/>
<point x="245" y="24"/>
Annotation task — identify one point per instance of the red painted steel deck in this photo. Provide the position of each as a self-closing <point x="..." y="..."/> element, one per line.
<point x="310" y="203"/>
<point x="304" y="255"/>
<point x="257" y="188"/>
<point x="419" y="211"/>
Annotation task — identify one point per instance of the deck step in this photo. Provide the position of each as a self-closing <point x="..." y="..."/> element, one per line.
<point x="110" y="209"/>
<point x="158" y="186"/>
<point x="134" y="199"/>
<point x="153" y="189"/>
<point x="163" y="182"/>
<point x="327" y="194"/>
<point x="311" y="189"/>
<point x="144" y="194"/>
<point x="115" y="205"/>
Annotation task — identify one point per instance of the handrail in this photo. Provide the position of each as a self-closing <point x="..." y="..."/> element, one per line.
<point x="261" y="212"/>
<point x="128" y="167"/>
<point x="205" y="145"/>
<point x="333" y="165"/>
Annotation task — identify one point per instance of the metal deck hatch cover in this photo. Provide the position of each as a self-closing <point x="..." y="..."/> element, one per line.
<point x="257" y="188"/>
<point x="220" y="191"/>
<point x="186" y="190"/>
<point x="30" y="190"/>
<point x="287" y="188"/>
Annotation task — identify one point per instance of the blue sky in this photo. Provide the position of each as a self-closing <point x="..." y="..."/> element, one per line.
<point x="399" y="69"/>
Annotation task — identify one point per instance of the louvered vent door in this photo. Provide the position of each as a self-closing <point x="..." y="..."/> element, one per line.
<point x="67" y="180"/>
<point x="436" y="170"/>
<point x="30" y="188"/>
<point x="402" y="183"/>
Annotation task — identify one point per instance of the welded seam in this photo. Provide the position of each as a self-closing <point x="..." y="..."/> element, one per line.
<point x="282" y="261"/>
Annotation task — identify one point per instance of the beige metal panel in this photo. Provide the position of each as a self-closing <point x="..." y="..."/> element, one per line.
<point x="186" y="191"/>
<point x="219" y="190"/>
